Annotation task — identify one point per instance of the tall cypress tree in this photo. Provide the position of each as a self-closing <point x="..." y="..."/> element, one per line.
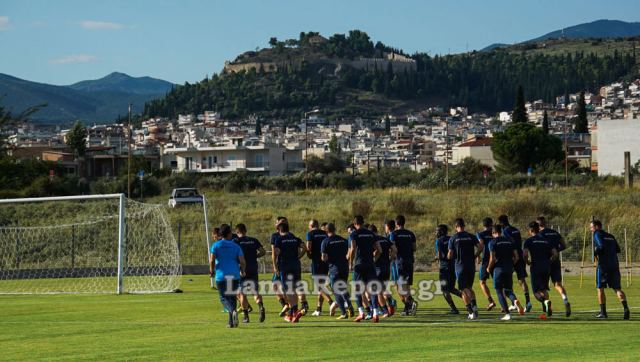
<point x="582" y="125"/>
<point x="387" y="125"/>
<point x="519" y="114"/>
<point x="545" y="123"/>
<point x="258" y="127"/>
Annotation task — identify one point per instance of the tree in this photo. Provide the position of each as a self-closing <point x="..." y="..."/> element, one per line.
<point x="523" y="145"/>
<point x="9" y="120"/>
<point x="77" y="139"/>
<point x="545" y="123"/>
<point x="273" y="41"/>
<point x="582" y="126"/>
<point x="258" y="127"/>
<point x="334" y="147"/>
<point x="519" y="114"/>
<point x="387" y="126"/>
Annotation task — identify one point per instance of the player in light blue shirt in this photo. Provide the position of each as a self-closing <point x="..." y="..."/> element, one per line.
<point x="227" y="265"/>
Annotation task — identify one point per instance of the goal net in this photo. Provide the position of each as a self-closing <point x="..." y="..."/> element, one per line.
<point x="86" y="244"/>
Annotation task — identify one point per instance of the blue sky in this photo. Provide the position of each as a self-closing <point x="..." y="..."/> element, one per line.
<point x="62" y="42"/>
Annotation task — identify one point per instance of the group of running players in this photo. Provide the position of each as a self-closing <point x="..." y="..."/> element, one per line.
<point x="378" y="261"/>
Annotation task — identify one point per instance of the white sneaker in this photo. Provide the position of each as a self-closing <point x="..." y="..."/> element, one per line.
<point x="513" y="308"/>
<point x="332" y="309"/>
<point x="471" y="316"/>
<point x="316" y="313"/>
<point x="507" y="317"/>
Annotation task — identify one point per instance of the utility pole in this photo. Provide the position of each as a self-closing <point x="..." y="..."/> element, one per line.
<point x="306" y="152"/>
<point x="446" y="154"/>
<point x="566" y="156"/>
<point x="129" y="156"/>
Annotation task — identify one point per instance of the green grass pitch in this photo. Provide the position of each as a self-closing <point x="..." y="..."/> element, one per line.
<point x="191" y="325"/>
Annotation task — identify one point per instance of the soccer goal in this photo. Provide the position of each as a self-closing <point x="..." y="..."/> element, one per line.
<point x="86" y="244"/>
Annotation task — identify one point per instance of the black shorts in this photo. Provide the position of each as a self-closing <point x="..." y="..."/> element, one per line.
<point x="556" y="272"/>
<point x="502" y="279"/>
<point x="250" y="280"/>
<point x="465" y="278"/>
<point x="539" y="280"/>
<point x="405" y="272"/>
<point x="364" y="273"/>
<point x="608" y="277"/>
<point x="521" y="269"/>
<point x="447" y="279"/>
<point x="383" y="274"/>
<point x="319" y="268"/>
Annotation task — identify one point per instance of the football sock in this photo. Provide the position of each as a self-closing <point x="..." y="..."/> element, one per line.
<point x="603" y="309"/>
<point x="469" y="308"/>
<point x="527" y="298"/>
<point x="282" y="302"/>
<point x="625" y="305"/>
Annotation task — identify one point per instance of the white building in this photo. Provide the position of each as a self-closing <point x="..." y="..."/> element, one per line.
<point x="477" y="148"/>
<point x="253" y="157"/>
<point x="610" y="139"/>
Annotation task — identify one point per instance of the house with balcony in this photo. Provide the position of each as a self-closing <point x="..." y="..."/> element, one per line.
<point x="250" y="156"/>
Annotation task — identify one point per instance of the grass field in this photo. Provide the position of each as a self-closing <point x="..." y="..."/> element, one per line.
<point x="191" y="325"/>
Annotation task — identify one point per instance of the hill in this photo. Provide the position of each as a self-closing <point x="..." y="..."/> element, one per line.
<point x="596" y="29"/>
<point x="599" y="29"/>
<point x="348" y="75"/>
<point x="101" y="100"/>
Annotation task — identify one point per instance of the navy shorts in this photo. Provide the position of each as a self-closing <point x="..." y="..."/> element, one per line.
<point x="364" y="273"/>
<point x="404" y="271"/>
<point x="290" y="278"/>
<point x="383" y="274"/>
<point x="465" y="278"/>
<point x="539" y="280"/>
<point x="521" y="269"/>
<point x="556" y="272"/>
<point x="483" y="274"/>
<point x="319" y="268"/>
<point x="609" y="277"/>
<point x="447" y="279"/>
<point x="341" y="276"/>
<point x="502" y="279"/>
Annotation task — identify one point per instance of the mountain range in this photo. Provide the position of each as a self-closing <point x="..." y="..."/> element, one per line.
<point x="105" y="99"/>
<point x="100" y="100"/>
<point x="602" y="28"/>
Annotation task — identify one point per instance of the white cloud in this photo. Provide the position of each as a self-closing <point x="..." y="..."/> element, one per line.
<point x="100" y="25"/>
<point x="75" y="58"/>
<point x="4" y="23"/>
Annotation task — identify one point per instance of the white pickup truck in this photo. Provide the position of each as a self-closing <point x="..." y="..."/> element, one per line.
<point x="184" y="196"/>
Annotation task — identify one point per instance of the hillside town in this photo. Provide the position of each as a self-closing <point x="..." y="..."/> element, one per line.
<point x="207" y="143"/>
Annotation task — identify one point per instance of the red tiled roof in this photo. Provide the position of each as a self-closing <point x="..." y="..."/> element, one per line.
<point x="477" y="142"/>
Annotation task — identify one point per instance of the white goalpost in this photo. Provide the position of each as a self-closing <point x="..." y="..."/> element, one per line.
<point x="86" y="244"/>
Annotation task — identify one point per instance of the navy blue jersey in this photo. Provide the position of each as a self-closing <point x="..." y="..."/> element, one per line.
<point x="272" y="240"/>
<point x="289" y="245"/>
<point x="486" y="237"/>
<point x="512" y="233"/>
<point x="503" y="249"/>
<point x="249" y="248"/>
<point x="442" y="249"/>
<point x="404" y="240"/>
<point x="606" y="248"/>
<point x="554" y="238"/>
<point x="336" y="248"/>
<point x="463" y="246"/>
<point x="316" y="237"/>
<point x="539" y="252"/>
<point x="385" y="258"/>
<point x="364" y="241"/>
